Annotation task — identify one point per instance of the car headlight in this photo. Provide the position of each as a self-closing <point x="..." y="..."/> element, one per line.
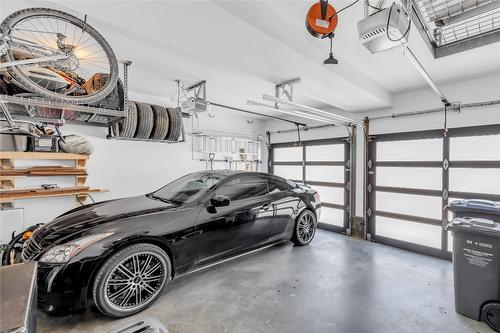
<point x="63" y="253"/>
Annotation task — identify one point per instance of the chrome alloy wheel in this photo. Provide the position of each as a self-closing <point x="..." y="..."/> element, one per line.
<point x="135" y="281"/>
<point x="305" y="228"/>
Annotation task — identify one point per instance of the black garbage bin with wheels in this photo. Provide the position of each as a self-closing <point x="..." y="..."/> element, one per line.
<point x="476" y="259"/>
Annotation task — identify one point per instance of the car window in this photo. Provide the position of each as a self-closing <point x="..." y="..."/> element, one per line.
<point x="188" y="188"/>
<point x="244" y="187"/>
<point x="277" y="185"/>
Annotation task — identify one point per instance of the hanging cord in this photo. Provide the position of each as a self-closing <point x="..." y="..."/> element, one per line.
<point x="378" y="9"/>
<point x="298" y="134"/>
<point x="337" y="13"/>
<point x="445" y="120"/>
<point x="387" y="27"/>
<point x="178" y="93"/>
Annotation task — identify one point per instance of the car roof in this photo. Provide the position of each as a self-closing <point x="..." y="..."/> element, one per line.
<point x="228" y="173"/>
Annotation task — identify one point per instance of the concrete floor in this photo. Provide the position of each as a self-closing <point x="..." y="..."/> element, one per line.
<point x="336" y="284"/>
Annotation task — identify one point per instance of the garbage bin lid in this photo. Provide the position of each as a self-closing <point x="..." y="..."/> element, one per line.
<point x="476" y="225"/>
<point x="475" y="205"/>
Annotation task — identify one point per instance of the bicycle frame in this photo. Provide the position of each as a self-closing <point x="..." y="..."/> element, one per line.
<point x="22" y="42"/>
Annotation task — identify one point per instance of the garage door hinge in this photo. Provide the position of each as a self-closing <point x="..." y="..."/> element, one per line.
<point x="446" y="164"/>
<point x="369" y="164"/>
<point x="369" y="212"/>
<point x="445" y="194"/>
<point x="369" y="188"/>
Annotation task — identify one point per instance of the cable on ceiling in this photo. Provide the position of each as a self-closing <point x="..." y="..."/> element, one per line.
<point x="337" y="13"/>
<point x="387" y="27"/>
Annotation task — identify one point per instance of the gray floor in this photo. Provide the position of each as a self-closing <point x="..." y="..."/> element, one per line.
<point x="337" y="284"/>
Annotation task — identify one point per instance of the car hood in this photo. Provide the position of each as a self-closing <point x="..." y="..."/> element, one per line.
<point x="82" y="219"/>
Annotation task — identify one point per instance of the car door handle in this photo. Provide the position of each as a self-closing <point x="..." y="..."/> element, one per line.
<point x="266" y="206"/>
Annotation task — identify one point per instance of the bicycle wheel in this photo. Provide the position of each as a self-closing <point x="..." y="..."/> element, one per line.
<point x="36" y="33"/>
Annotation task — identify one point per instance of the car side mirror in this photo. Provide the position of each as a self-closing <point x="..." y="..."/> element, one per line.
<point x="220" y="201"/>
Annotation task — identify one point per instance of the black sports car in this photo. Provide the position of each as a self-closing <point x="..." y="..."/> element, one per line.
<point x="120" y="254"/>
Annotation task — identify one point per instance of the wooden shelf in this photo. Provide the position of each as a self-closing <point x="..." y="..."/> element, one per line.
<point x="44" y="171"/>
<point x="28" y="155"/>
<point x="16" y="194"/>
<point x="9" y="173"/>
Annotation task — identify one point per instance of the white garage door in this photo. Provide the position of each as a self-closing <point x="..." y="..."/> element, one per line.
<point x="322" y="164"/>
<point x="413" y="176"/>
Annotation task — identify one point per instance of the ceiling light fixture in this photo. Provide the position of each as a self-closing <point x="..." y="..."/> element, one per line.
<point x="292" y="113"/>
<point x="335" y="117"/>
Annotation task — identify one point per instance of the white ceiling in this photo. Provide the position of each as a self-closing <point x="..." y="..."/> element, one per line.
<point x="243" y="48"/>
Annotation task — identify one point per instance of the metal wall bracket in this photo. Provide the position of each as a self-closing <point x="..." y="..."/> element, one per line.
<point x="286" y="88"/>
<point x="199" y="89"/>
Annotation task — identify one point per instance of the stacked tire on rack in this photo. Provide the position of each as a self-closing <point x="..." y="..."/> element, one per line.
<point x="151" y="122"/>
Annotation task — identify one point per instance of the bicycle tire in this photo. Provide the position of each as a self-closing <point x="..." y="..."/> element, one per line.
<point x="29" y="85"/>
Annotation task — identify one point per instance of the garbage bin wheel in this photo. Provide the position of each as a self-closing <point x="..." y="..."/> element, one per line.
<point x="491" y="315"/>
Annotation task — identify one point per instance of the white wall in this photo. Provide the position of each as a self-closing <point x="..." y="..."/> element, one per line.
<point x="476" y="90"/>
<point x="127" y="168"/>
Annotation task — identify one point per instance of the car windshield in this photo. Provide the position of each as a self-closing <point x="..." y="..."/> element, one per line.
<point x="187" y="188"/>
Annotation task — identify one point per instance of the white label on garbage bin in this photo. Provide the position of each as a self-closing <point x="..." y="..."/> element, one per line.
<point x="477" y="257"/>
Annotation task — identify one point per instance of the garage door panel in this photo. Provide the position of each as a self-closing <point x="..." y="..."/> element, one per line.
<point x="421" y="178"/>
<point x="322" y="164"/>
<point x="334" y="195"/>
<point x="410" y="204"/>
<point x="288" y="171"/>
<point x="407" y="231"/>
<point x="325" y="153"/>
<point x="475" y="148"/>
<point x="332" y="216"/>
<point x="475" y="180"/>
<point x="410" y="150"/>
<point x="287" y="154"/>
<point x="325" y="173"/>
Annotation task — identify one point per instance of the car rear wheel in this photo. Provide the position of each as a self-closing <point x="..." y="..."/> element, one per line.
<point x="305" y="228"/>
<point x="131" y="280"/>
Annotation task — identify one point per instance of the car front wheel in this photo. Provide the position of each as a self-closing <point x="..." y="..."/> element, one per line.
<point x="131" y="280"/>
<point x="305" y="228"/>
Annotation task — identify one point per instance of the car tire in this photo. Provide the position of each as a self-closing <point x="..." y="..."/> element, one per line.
<point x="145" y="120"/>
<point x="175" y="124"/>
<point x="131" y="280"/>
<point x="305" y="228"/>
<point x="128" y="126"/>
<point x="161" y="121"/>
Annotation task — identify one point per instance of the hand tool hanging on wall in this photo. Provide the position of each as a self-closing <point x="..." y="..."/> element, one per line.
<point x="211" y="158"/>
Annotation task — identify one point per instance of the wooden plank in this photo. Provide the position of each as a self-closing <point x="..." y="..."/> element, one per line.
<point x="40" y="193"/>
<point x="40" y="189"/>
<point x="41" y="156"/>
<point x="42" y="171"/>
